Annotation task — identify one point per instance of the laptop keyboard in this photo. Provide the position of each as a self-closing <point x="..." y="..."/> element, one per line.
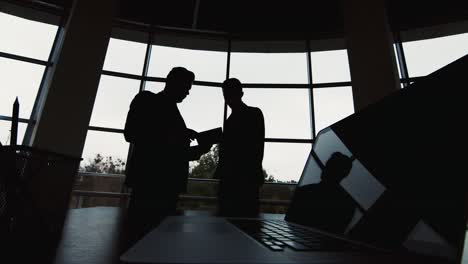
<point x="278" y="235"/>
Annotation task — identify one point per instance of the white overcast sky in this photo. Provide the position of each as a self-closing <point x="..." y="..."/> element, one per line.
<point x="286" y="111"/>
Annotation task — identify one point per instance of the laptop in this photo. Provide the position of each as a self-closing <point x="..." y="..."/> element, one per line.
<point x="402" y="200"/>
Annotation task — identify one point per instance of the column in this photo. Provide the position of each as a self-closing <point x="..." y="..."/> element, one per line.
<point x="67" y="101"/>
<point x="369" y="40"/>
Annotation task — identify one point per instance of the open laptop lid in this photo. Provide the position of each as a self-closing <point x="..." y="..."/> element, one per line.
<point x="406" y="188"/>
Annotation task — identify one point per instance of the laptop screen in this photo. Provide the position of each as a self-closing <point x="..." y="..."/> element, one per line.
<point x="338" y="194"/>
<point x="394" y="174"/>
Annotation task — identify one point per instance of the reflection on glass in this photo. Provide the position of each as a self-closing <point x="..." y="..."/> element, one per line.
<point x="324" y="204"/>
<point x="425" y="56"/>
<point x="332" y="105"/>
<point x="113" y="101"/>
<point x="311" y="173"/>
<point x="285" y="161"/>
<point x="125" y="56"/>
<point x="5" y="132"/>
<point x="356" y="217"/>
<point x="341" y="184"/>
<point x="22" y="80"/>
<point x="328" y="142"/>
<point x="375" y="206"/>
<point x="26" y="37"/>
<point x="330" y="66"/>
<point x="106" y="144"/>
<point x="206" y="65"/>
<point x="286" y="111"/>
<point x="203" y="108"/>
<point x="426" y="240"/>
<point x="362" y="186"/>
<point x="269" y="67"/>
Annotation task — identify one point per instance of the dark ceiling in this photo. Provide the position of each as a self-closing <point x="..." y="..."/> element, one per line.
<point x="314" y="19"/>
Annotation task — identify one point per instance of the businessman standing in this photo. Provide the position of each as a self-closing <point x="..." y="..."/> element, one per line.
<point x="158" y="168"/>
<point x="241" y="153"/>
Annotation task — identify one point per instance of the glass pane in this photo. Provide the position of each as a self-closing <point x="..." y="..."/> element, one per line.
<point x="86" y="202"/>
<point x="104" y="183"/>
<point x="203" y="108"/>
<point x="5" y="132"/>
<point x="22" y="80"/>
<point x="332" y="105"/>
<point x="104" y="144"/>
<point x="26" y="37"/>
<point x="277" y="192"/>
<point x="196" y="188"/>
<point x="330" y="66"/>
<point x="269" y="67"/>
<point x="282" y="192"/>
<point x="207" y="65"/>
<point x="125" y="56"/>
<point x="286" y="111"/>
<point x="113" y="101"/>
<point x="285" y="161"/>
<point x="154" y="87"/>
<point x="426" y="56"/>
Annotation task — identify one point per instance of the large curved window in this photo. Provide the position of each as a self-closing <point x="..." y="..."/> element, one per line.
<point x="330" y="66"/>
<point x="206" y="65"/>
<point x="125" y="56"/>
<point x="24" y="51"/>
<point x="203" y="108"/>
<point x="286" y="111"/>
<point x="269" y="67"/>
<point x="22" y="80"/>
<point x="331" y="105"/>
<point x="25" y="37"/>
<point x="113" y="100"/>
<point x="5" y="132"/>
<point x="106" y="145"/>
<point x="285" y="161"/>
<point x="426" y="56"/>
<point x="286" y="105"/>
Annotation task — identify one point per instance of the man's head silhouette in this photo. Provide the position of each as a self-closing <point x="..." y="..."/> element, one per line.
<point x="232" y="92"/>
<point x="337" y="168"/>
<point x="178" y="83"/>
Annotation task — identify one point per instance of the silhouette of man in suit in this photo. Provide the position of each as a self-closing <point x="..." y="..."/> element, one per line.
<point x="325" y="205"/>
<point x="158" y="167"/>
<point x="241" y="154"/>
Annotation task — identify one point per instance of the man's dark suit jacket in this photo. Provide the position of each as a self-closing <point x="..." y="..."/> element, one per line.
<point x="241" y="152"/>
<point x="159" y="161"/>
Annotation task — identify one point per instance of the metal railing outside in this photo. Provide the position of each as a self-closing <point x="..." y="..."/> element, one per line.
<point x="124" y="196"/>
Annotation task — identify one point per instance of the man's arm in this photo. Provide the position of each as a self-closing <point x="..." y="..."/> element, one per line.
<point x="196" y="152"/>
<point x="257" y="139"/>
<point x="131" y="123"/>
